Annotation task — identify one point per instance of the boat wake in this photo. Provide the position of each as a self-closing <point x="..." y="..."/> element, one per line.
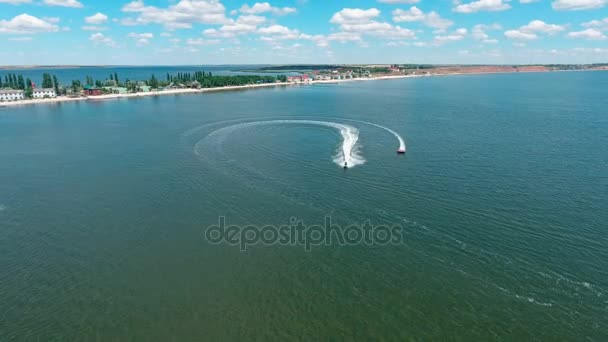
<point x="347" y="154"/>
<point x="401" y="141"/>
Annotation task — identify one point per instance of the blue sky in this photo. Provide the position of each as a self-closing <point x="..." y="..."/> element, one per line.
<point x="169" y="32"/>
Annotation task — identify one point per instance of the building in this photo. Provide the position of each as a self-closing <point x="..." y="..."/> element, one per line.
<point x="92" y="91"/>
<point x="43" y="93"/>
<point x="117" y="90"/>
<point x="11" y="95"/>
<point x="299" y="79"/>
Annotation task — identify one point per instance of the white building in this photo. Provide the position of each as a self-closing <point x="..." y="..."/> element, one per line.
<point x="11" y="95"/>
<point x="44" y="92"/>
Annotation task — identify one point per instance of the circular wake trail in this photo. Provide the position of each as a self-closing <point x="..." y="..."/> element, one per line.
<point x="401" y="141"/>
<point x="346" y="154"/>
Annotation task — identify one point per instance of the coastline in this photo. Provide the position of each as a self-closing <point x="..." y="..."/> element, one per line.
<point x="62" y="99"/>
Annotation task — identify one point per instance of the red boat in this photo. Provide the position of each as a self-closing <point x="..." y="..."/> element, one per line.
<point x="401" y="150"/>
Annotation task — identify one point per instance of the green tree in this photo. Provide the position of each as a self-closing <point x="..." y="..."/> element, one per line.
<point x="47" y="81"/>
<point x="76" y="86"/>
<point x="29" y="91"/>
<point x="153" y="83"/>
<point x="131" y="86"/>
<point x="56" y="84"/>
<point x="21" y="82"/>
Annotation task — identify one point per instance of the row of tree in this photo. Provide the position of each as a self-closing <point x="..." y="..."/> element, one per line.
<point x="204" y="79"/>
<point x="15" y="81"/>
<point x="208" y="80"/>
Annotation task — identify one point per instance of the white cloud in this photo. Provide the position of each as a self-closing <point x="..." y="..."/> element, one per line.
<point x="200" y="41"/>
<point x="26" y="24"/>
<point x="482" y="5"/>
<point x="20" y="39"/>
<point x="15" y="2"/>
<point x="245" y="24"/>
<point x="361" y="22"/>
<point x="96" y="19"/>
<point x="531" y="30"/>
<point x="279" y="32"/>
<point x="228" y="31"/>
<point x="340" y="37"/>
<point x="99" y="38"/>
<point x="541" y="26"/>
<point x="94" y="28"/>
<point x="479" y="33"/>
<point x="128" y="22"/>
<point x="179" y="16"/>
<point x="600" y="24"/>
<point x="431" y="19"/>
<point x="53" y="20"/>
<point x="459" y="34"/>
<point x="141" y="35"/>
<point x="251" y="19"/>
<point x="528" y="1"/>
<point x="577" y="5"/>
<point x="413" y="14"/>
<point x="264" y="7"/>
<point x="590" y="50"/>
<point x="64" y="3"/>
<point x="134" y="6"/>
<point x="141" y="39"/>
<point x="519" y="35"/>
<point x="407" y="2"/>
<point x="354" y="15"/>
<point x="343" y="37"/>
<point x="588" y="34"/>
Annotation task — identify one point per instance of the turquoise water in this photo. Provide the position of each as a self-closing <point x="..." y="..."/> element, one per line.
<point x="502" y="197"/>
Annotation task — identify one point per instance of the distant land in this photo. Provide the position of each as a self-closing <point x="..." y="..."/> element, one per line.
<point x="309" y="67"/>
<point x="443" y="68"/>
<point x="78" y="66"/>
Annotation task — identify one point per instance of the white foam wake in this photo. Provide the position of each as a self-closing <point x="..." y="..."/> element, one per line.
<point x="347" y="153"/>
<point x="401" y="141"/>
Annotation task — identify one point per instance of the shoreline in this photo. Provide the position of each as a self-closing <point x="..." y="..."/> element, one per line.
<point x="62" y="99"/>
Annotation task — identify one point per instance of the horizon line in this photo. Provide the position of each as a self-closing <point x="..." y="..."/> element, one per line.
<point x="279" y="64"/>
